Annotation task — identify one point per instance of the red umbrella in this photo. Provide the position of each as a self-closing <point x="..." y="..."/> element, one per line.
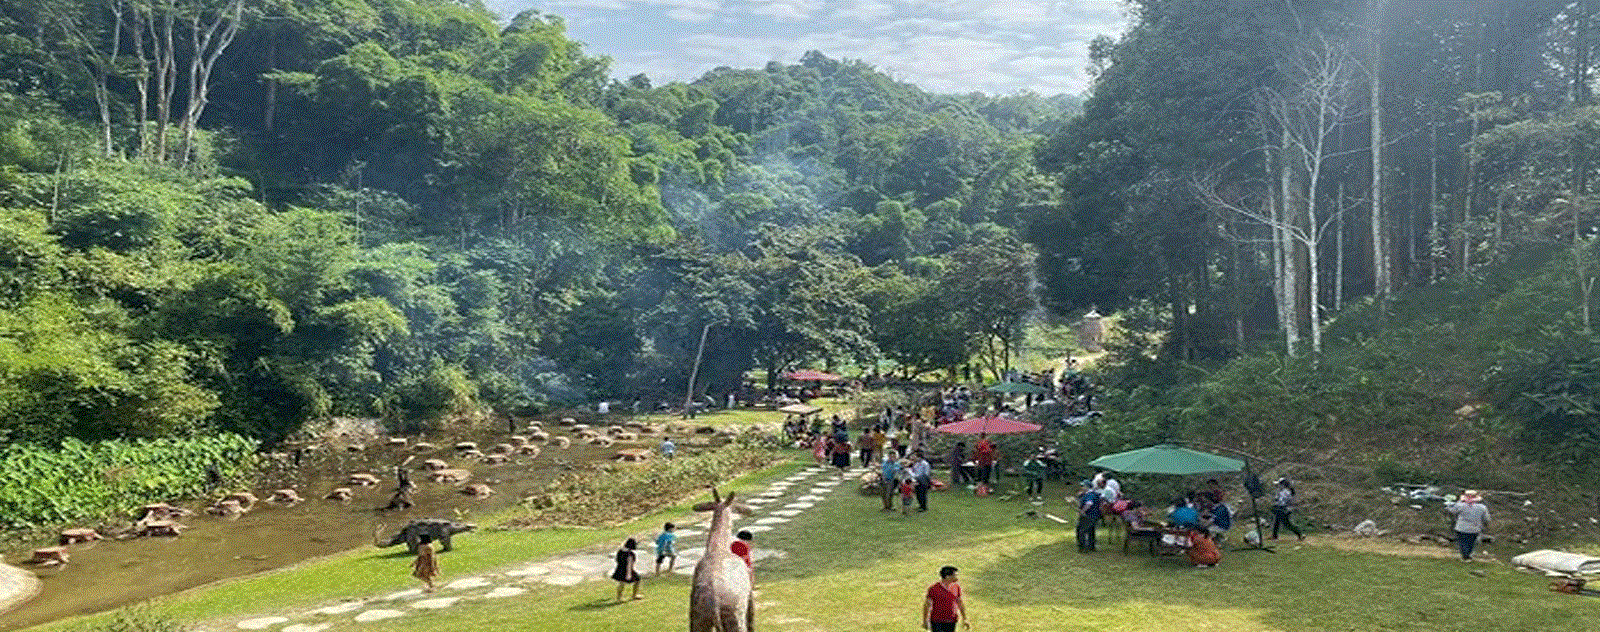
<point x="989" y="425"/>
<point x="812" y="376"/>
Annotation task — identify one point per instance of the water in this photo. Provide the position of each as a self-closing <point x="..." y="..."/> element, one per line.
<point x="110" y="574"/>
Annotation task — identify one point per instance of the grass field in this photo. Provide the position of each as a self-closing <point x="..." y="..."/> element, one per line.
<point x="848" y="567"/>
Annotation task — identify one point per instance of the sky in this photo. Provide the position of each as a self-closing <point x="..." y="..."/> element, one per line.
<point x="946" y="46"/>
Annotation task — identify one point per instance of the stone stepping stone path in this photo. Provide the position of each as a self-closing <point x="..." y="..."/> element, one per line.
<point x="377" y="615"/>
<point x="344" y="608"/>
<point x="467" y="582"/>
<point x="569" y="570"/>
<point x="261" y="623"/>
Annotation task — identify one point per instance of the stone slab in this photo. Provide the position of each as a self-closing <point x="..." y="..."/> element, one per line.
<point x="772" y="521"/>
<point x="505" y="591"/>
<point x="404" y="594"/>
<point x="377" y="615"/>
<point x="343" y="608"/>
<point x="787" y="513"/>
<point x="799" y="505"/>
<point x="563" y="580"/>
<point x="437" y="603"/>
<point x="261" y="623"/>
<point x="308" y="627"/>
<point x="809" y="498"/>
<point x="467" y="582"/>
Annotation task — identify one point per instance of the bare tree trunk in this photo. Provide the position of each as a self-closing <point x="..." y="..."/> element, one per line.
<point x="1434" y="237"/>
<point x="1338" y="250"/>
<point x="1381" y="276"/>
<point x="210" y="40"/>
<point x="166" y="71"/>
<point x="1291" y="263"/>
<point x="139" y="21"/>
<point x="1580" y="98"/>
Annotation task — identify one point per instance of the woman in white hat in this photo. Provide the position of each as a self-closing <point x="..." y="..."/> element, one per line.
<point x="1472" y="517"/>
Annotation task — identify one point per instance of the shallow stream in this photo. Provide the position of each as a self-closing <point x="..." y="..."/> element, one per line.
<point x="112" y="573"/>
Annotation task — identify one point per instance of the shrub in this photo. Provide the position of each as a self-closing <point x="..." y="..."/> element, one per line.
<point x="86" y="481"/>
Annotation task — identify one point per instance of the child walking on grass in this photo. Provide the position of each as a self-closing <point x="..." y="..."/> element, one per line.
<point x="907" y="487"/>
<point x="426" y="566"/>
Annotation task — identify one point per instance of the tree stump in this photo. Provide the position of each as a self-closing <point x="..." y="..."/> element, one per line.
<point x="74" y="536"/>
<point x="49" y="556"/>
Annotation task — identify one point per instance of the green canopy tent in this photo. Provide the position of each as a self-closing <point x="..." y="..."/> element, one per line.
<point x="1167" y="459"/>
<point x="1177" y="460"/>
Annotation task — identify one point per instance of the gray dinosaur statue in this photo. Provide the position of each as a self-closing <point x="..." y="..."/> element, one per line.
<point x="720" y="599"/>
<point x="438" y="529"/>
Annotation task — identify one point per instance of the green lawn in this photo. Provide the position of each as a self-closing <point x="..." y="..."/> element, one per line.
<point x="851" y="568"/>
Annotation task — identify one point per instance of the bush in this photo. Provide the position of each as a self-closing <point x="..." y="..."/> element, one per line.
<point x="136" y="620"/>
<point x="89" y="481"/>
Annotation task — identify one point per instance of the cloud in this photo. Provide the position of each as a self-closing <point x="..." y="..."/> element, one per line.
<point x="994" y="46"/>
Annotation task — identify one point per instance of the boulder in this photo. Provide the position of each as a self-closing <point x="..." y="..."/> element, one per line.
<point x="74" y="536"/>
<point x="397" y="441"/>
<point x="528" y="450"/>
<point x="354" y="447"/>
<point x="626" y="436"/>
<point x="501" y="448"/>
<point x="604" y="442"/>
<point x="615" y="430"/>
<point x="161" y="528"/>
<point x="517" y="440"/>
<point x="452" y="475"/>
<point x="581" y="427"/>
<point x="434" y="465"/>
<point x="464" y="446"/>
<point x="471" y="454"/>
<point x="226" y="508"/>
<point x="477" y="490"/>
<point x="496" y="459"/>
<point x="561" y="442"/>
<point x="423" y="446"/>
<point x="567" y="421"/>
<point x="361" y="479"/>
<point x="586" y="435"/>
<point x="286" y="496"/>
<point x="245" y="499"/>
<point x="339" y="493"/>
<point x="538" y="437"/>
<point x="632" y="455"/>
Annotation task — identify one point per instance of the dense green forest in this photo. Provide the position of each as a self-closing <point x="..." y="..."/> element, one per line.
<point x="232" y="216"/>
<point x="1310" y="218"/>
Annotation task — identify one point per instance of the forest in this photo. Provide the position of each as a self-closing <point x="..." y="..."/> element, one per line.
<point x="1308" y="218"/>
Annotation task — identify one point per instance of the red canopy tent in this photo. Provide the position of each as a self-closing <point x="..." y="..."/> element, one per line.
<point x="989" y="425"/>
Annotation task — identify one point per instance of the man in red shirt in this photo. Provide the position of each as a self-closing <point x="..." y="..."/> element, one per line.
<point x="983" y="454"/>
<point x="943" y="606"/>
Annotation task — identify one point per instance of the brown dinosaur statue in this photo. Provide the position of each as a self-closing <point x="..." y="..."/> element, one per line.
<point x="720" y="600"/>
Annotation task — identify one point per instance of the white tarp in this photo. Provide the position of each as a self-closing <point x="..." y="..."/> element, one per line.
<point x="1562" y="562"/>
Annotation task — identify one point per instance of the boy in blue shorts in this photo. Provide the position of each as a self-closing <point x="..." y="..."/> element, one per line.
<point x="666" y="547"/>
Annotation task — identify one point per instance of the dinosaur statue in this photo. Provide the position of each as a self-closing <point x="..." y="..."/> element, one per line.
<point x="439" y="529"/>
<point x="720" y="599"/>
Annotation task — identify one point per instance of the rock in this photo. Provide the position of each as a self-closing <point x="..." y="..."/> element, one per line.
<point x="286" y="496"/>
<point x="517" y="440"/>
<point x="495" y="459"/>
<point x="245" y="499"/>
<point x="586" y="435"/>
<point x="228" y="508"/>
<point x="1367" y="528"/>
<point x="354" y="447"/>
<point x="49" y="556"/>
<point x="581" y="427"/>
<point x="434" y="465"/>
<point x="528" y="450"/>
<point x="161" y="528"/>
<point x="397" y="441"/>
<point x="567" y="421"/>
<point x="632" y="455"/>
<point x="538" y="437"/>
<point x="423" y="446"/>
<point x="437" y="603"/>
<point x="464" y="446"/>
<point x="615" y="430"/>
<point x="501" y="448"/>
<point x="706" y="430"/>
<point x="74" y="536"/>
<point x="308" y="627"/>
<point x="561" y="442"/>
<point x="504" y="591"/>
<point x="339" y="493"/>
<point x="604" y="442"/>
<point x="158" y="511"/>
<point x="361" y="479"/>
<point x="471" y="454"/>
<point x="626" y="436"/>
<point x="452" y="475"/>
<point x="467" y="583"/>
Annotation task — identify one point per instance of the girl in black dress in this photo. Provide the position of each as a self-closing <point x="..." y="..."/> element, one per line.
<point x="625" y="574"/>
